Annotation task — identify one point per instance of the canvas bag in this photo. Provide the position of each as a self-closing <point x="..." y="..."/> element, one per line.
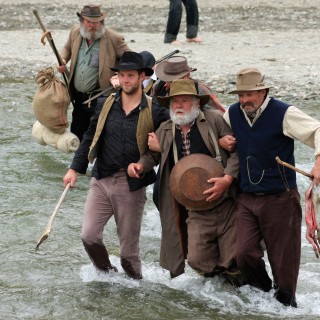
<point x="51" y="101"/>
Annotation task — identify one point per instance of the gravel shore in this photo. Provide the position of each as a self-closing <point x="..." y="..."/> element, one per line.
<point x="275" y="36"/>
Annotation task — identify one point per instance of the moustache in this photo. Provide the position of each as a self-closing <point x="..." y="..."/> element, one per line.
<point x="248" y="104"/>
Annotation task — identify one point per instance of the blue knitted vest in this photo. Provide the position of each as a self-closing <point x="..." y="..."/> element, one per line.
<point x="258" y="147"/>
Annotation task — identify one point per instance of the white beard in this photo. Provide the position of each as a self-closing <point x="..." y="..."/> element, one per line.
<point x="182" y="119"/>
<point x="85" y="33"/>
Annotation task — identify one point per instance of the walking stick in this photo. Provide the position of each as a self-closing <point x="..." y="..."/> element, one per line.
<point x="47" y="34"/>
<point x="48" y="227"/>
<point x="294" y="168"/>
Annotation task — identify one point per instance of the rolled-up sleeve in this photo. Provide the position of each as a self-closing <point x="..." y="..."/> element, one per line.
<point x="298" y="125"/>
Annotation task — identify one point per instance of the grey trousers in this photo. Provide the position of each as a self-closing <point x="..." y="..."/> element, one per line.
<point x="109" y="197"/>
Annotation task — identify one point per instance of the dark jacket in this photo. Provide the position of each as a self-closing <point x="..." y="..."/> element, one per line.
<point x="80" y="160"/>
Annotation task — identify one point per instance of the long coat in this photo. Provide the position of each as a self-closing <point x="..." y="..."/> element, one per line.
<point x="172" y="255"/>
<point x="112" y="46"/>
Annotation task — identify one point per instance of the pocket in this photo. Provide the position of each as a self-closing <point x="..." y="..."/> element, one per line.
<point x="94" y="60"/>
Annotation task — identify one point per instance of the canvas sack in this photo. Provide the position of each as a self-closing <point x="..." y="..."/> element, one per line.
<point x="51" y="101"/>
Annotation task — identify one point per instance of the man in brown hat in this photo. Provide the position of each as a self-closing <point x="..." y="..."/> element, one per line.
<point x="205" y="237"/>
<point x="268" y="207"/>
<point x="117" y="136"/>
<point x="177" y="67"/>
<point x="174" y="68"/>
<point x="91" y="49"/>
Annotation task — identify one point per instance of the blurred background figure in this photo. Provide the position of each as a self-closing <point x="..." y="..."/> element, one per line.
<point x="149" y="61"/>
<point x="174" y="20"/>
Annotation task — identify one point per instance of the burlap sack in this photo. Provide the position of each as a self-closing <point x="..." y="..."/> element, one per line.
<point x="51" y="101"/>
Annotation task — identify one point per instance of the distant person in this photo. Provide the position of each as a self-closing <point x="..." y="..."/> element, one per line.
<point x="268" y="205"/>
<point x="117" y="136"/>
<point x="204" y="234"/>
<point x="174" y="20"/>
<point x="91" y="49"/>
<point x="149" y="62"/>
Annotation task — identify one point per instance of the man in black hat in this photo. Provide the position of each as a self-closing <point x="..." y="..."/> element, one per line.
<point x="91" y="48"/>
<point x="117" y="136"/>
<point x="149" y="62"/>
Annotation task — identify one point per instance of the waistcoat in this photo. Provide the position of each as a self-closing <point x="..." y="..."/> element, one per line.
<point x="145" y="125"/>
<point x="259" y="145"/>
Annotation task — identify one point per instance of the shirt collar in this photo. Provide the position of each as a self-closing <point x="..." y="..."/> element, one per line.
<point x="143" y="104"/>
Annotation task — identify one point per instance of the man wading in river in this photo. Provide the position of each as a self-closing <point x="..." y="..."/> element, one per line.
<point x="117" y="136"/>
<point x="268" y="206"/>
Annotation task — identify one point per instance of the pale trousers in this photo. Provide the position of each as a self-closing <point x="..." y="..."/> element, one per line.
<point x="109" y="197"/>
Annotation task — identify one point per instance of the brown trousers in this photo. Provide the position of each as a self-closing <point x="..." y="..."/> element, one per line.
<point x="109" y="197"/>
<point x="275" y="218"/>
<point x="212" y="238"/>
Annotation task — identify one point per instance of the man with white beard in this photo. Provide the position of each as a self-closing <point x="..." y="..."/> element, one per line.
<point x="91" y="49"/>
<point x="206" y="235"/>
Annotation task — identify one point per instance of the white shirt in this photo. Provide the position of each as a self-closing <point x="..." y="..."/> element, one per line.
<point x="296" y="125"/>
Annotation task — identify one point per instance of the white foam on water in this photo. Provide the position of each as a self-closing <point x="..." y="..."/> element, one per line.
<point x="216" y="293"/>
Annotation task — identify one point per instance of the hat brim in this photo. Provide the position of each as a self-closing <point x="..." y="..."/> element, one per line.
<point x="188" y="180"/>
<point x="236" y="91"/>
<point x="93" y="19"/>
<point x="148" y="71"/>
<point x="165" y="101"/>
<point x="170" y="77"/>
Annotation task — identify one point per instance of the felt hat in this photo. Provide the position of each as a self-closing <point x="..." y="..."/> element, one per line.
<point x="148" y="59"/>
<point x="188" y="180"/>
<point x="132" y="61"/>
<point x="92" y="13"/>
<point x="173" y="68"/>
<point x="183" y="87"/>
<point x="249" y="79"/>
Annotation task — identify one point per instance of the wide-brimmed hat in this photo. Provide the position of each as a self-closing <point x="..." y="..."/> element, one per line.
<point x="92" y="13"/>
<point x="173" y="68"/>
<point x="249" y="79"/>
<point x="183" y="87"/>
<point x="132" y="61"/>
<point x="188" y="180"/>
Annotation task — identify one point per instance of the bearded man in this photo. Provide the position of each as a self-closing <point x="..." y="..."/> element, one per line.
<point x="91" y="49"/>
<point x="205" y="237"/>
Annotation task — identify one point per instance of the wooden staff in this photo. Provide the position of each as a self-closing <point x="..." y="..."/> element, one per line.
<point x="48" y="227"/>
<point x="294" y="168"/>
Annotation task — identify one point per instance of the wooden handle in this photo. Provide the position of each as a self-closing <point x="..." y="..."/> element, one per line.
<point x="294" y="168"/>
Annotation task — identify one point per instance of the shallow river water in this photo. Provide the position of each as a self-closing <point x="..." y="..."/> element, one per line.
<point x="58" y="281"/>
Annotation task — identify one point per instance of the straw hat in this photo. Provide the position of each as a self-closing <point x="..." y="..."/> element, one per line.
<point x="183" y="87"/>
<point x="92" y="13"/>
<point x="249" y="79"/>
<point x="188" y="180"/>
<point x="173" y="68"/>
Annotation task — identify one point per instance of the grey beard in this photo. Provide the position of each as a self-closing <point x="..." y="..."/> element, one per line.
<point x="87" y="35"/>
<point x="182" y="120"/>
<point x="251" y="115"/>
